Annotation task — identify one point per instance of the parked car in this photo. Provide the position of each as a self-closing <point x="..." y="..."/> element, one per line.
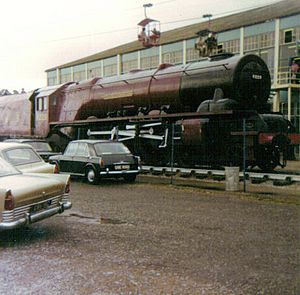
<point x="96" y="159"/>
<point x="41" y="146"/>
<point x="24" y="157"/>
<point x="28" y="198"/>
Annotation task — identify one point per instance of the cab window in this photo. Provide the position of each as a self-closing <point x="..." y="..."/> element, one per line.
<point x="41" y="104"/>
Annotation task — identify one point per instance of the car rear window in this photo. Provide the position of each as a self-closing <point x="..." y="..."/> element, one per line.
<point x="20" y="156"/>
<point x="40" y="146"/>
<point x="110" y="148"/>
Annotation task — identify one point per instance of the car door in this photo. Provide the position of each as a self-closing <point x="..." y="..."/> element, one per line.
<point x="80" y="158"/>
<point x="66" y="160"/>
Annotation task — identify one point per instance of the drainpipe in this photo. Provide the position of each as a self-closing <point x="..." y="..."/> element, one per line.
<point x="276" y="52"/>
<point x="242" y="36"/>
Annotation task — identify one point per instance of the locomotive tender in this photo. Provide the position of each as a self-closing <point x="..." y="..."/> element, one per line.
<point x="196" y="109"/>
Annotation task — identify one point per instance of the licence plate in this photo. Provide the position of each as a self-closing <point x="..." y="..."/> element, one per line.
<point x="122" y="167"/>
<point x="39" y="207"/>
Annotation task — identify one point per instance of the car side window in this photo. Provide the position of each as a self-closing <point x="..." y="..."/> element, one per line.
<point x="82" y="150"/>
<point x="71" y="149"/>
<point x="92" y="151"/>
<point x="111" y="148"/>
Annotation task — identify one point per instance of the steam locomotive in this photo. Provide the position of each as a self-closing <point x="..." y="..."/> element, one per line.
<point x="211" y="112"/>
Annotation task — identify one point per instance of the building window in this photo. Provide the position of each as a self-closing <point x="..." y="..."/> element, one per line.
<point x="192" y="54"/>
<point x="251" y="43"/>
<point x="79" y="73"/>
<point x="220" y="48"/>
<point x="267" y="39"/>
<point x="264" y="40"/>
<point x="110" y="66"/>
<point x="288" y="36"/>
<point x="285" y="54"/>
<point x="150" y="62"/>
<point x="65" y="75"/>
<point x="51" y="78"/>
<point x="232" y="46"/>
<point x="172" y="57"/>
<point x="173" y="53"/>
<point x="129" y="62"/>
<point x="150" y="58"/>
<point x="94" y="69"/>
<point x="268" y="56"/>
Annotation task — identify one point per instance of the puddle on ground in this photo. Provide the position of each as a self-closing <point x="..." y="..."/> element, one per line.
<point x="93" y="220"/>
<point x="111" y="221"/>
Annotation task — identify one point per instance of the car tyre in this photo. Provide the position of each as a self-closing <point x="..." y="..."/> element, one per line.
<point x="130" y="177"/>
<point x="91" y="175"/>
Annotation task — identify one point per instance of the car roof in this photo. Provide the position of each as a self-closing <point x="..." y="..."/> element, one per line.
<point x="24" y="140"/>
<point x="9" y="145"/>
<point x="93" y="141"/>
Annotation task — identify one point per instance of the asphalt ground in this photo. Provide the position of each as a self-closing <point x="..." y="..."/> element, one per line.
<point x="154" y="238"/>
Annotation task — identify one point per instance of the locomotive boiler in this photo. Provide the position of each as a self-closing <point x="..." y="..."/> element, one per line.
<point x="171" y="89"/>
<point x="204" y="111"/>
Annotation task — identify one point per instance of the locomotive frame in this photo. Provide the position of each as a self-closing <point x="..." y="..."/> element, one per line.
<point x="155" y="137"/>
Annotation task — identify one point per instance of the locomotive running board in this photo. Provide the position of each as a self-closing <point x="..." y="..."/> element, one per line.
<point x="146" y="118"/>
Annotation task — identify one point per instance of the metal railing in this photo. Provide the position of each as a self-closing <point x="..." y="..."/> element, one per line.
<point x="286" y="77"/>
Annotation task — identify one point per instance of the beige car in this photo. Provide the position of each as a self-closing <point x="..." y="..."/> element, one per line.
<point x="24" y="157"/>
<point x="26" y="198"/>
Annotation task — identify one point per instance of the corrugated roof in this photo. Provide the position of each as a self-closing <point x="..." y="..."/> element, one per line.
<point x="48" y="90"/>
<point x="16" y="97"/>
<point x="249" y="17"/>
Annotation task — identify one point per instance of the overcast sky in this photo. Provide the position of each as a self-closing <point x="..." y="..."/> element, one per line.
<point x="38" y="35"/>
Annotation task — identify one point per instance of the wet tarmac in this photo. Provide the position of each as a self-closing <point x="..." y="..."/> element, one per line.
<point x="158" y="239"/>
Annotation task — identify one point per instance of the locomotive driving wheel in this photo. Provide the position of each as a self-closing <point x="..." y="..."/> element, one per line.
<point x="235" y="155"/>
<point x="270" y="160"/>
<point x="273" y="156"/>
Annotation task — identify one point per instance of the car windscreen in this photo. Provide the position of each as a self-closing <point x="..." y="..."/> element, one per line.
<point x="110" y="148"/>
<point x="7" y="169"/>
<point x="20" y="156"/>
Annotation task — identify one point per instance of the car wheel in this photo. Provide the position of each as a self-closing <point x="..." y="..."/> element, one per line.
<point x="130" y="177"/>
<point x="91" y="175"/>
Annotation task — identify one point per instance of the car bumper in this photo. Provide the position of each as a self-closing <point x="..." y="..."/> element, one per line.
<point x="28" y="218"/>
<point x="116" y="173"/>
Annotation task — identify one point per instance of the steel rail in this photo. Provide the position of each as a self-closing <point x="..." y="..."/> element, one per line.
<point x="254" y="177"/>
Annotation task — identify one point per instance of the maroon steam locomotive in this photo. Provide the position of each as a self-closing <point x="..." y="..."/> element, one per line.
<point x="210" y="112"/>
